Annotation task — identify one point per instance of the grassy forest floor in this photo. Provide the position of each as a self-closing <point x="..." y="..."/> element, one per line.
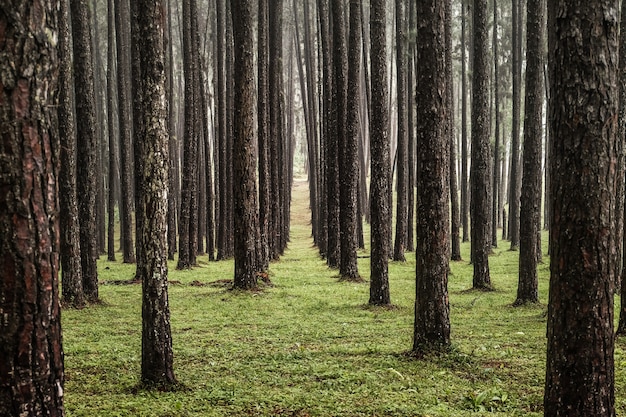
<point x="310" y="345"/>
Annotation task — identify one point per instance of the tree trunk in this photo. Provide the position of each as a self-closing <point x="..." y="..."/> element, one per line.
<point x="349" y="166"/>
<point x="455" y="237"/>
<point x="464" y="145"/>
<point x="86" y="144"/>
<point x="152" y="146"/>
<point x="111" y="87"/>
<point x="479" y="176"/>
<point x="187" y="225"/>
<point x="122" y="22"/>
<point x="515" y="190"/>
<point x="621" y="327"/>
<point x="583" y="59"/>
<point x="31" y="352"/>
<point x="380" y="165"/>
<point x="246" y="222"/>
<point x="172" y="142"/>
<point x="432" y="311"/>
<point x="496" y="149"/>
<point x="71" y="270"/>
<point x="325" y="138"/>
<point x="402" y="149"/>
<point x="265" y="212"/>
<point x="530" y="204"/>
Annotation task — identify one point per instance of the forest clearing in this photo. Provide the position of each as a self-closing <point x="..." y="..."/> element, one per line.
<point x="310" y="346"/>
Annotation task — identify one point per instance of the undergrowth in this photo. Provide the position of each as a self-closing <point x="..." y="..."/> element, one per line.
<point x="310" y="346"/>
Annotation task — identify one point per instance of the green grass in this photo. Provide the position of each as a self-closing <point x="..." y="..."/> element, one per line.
<point x="310" y="346"/>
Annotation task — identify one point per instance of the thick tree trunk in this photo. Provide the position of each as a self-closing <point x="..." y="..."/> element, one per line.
<point x="432" y="311"/>
<point x="246" y="222"/>
<point x="152" y="195"/>
<point x="530" y="204"/>
<point x="621" y="327"/>
<point x="479" y="176"/>
<point x="71" y="270"/>
<point x="349" y="166"/>
<point x="583" y="59"/>
<point x="380" y="165"/>
<point x="86" y="144"/>
<point x="31" y="353"/>
<point x="122" y="22"/>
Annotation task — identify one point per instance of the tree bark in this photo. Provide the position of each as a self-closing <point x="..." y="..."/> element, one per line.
<point x="71" y="269"/>
<point x="31" y="352"/>
<point x="402" y="136"/>
<point x="432" y="311"/>
<point x="464" y="145"/>
<point x="530" y="204"/>
<point x="496" y="149"/>
<point x="152" y="146"/>
<point x="122" y="23"/>
<point x="583" y="60"/>
<point x="479" y="175"/>
<point x="455" y="236"/>
<point x="380" y="165"/>
<point x="86" y="144"/>
<point x="349" y="167"/>
<point x="246" y="222"/>
<point x="515" y="190"/>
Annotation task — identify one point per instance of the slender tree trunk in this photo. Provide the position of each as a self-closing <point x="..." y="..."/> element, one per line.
<point x="496" y="148"/>
<point x="87" y="145"/>
<point x="432" y="310"/>
<point x="402" y="149"/>
<point x="583" y="59"/>
<point x="325" y="138"/>
<point x="122" y="22"/>
<point x="410" y="238"/>
<point x="380" y="165"/>
<point x="530" y="205"/>
<point x="464" y="145"/>
<point x="111" y="87"/>
<point x="455" y="236"/>
<point x="479" y="175"/>
<point x="515" y="191"/>
<point x="172" y="143"/>
<point x="31" y="351"/>
<point x="71" y="269"/>
<point x="263" y="137"/>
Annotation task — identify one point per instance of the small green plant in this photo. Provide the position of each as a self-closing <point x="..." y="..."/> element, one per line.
<point x="492" y="399"/>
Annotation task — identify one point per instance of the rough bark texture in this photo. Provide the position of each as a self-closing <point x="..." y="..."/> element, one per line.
<point x="173" y="142"/>
<point x="326" y="90"/>
<point x="152" y="196"/>
<point x="71" y="270"/>
<point x="530" y="204"/>
<point x="583" y="59"/>
<point x="263" y="137"/>
<point x="495" y="204"/>
<point x="277" y="130"/>
<point x="621" y="327"/>
<point x="187" y="226"/>
<point x="86" y="144"/>
<point x="246" y="221"/>
<point x="514" y="192"/>
<point x="402" y="134"/>
<point x="347" y="81"/>
<point x="335" y="121"/>
<point x="380" y="165"/>
<point x="122" y="23"/>
<point x="455" y="236"/>
<point x="464" y="147"/>
<point x="479" y="175"/>
<point x="432" y="311"/>
<point x="31" y="354"/>
<point x="111" y="127"/>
